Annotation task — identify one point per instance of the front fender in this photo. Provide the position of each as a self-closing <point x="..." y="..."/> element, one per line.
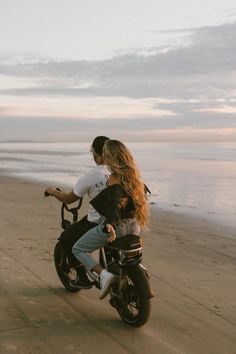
<point x="140" y="277"/>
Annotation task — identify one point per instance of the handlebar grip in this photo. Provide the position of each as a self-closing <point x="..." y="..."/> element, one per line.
<point x="46" y="194"/>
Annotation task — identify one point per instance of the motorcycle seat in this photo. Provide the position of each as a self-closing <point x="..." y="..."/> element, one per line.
<point x="126" y="243"/>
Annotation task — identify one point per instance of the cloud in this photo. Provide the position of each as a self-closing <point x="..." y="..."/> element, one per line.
<point x="84" y="107"/>
<point x="186" y="87"/>
<point x="203" y="66"/>
<point x="220" y="109"/>
<point x="173" y="129"/>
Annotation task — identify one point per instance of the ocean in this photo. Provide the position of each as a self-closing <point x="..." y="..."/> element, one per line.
<point x="195" y="178"/>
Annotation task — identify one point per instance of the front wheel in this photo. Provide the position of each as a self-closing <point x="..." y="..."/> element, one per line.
<point x="63" y="268"/>
<point x="132" y="307"/>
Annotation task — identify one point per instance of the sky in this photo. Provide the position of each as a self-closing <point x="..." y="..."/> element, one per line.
<point x="140" y="70"/>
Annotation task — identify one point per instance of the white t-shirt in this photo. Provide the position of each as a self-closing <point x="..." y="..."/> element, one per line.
<point x="92" y="183"/>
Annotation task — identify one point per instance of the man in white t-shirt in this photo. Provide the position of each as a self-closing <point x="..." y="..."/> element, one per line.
<point x="91" y="183"/>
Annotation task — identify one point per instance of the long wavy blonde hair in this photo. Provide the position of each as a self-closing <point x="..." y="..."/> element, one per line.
<point x="120" y="162"/>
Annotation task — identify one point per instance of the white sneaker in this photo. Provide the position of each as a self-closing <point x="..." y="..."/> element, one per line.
<point x="106" y="279"/>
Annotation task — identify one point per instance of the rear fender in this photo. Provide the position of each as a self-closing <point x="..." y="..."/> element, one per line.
<point x="140" y="278"/>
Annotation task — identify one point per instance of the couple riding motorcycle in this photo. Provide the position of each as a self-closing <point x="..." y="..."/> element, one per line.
<point x="118" y="206"/>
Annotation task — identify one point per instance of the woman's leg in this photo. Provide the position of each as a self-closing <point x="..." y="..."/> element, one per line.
<point x="71" y="235"/>
<point x="96" y="238"/>
<point x="89" y="242"/>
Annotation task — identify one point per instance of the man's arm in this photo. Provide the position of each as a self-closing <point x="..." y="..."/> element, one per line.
<point x="64" y="197"/>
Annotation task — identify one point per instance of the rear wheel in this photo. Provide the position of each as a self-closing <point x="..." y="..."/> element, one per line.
<point x="130" y="305"/>
<point x="63" y="268"/>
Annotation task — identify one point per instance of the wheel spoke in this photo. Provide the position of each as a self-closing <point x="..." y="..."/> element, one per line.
<point x="134" y="305"/>
<point x="132" y="308"/>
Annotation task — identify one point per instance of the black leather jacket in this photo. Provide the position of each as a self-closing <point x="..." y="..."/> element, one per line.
<point x="108" y="204"/>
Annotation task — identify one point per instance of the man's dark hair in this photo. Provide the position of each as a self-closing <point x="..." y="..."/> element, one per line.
<point x="98" y="144"/>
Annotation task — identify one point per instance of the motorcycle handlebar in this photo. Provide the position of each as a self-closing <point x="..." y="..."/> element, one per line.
<point x="73" y="211"/>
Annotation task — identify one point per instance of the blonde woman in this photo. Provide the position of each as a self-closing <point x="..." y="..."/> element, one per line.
<point x="124" y="206"/>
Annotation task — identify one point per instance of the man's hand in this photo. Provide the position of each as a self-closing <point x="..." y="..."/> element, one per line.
<point x="64" y="197"/>
<point x="49" y="191"/>
<point x="112" y="233"/>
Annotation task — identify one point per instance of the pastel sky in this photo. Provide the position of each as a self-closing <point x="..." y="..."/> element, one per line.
<point x="137" y="70"/>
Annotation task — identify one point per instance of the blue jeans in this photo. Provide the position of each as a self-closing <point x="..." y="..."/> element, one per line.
<point x="96" y="238"/>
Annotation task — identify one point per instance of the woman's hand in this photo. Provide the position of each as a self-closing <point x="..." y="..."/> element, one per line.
<point x="112" y="233"/>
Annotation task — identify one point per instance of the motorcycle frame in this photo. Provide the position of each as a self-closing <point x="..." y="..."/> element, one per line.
<point x="133" y="263"/>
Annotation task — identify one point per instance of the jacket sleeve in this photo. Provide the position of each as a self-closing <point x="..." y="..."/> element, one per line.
<point x="107" y="202"/>
<point x="112" y="215"/>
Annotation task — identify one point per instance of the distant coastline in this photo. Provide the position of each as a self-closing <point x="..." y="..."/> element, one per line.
<point x="196" y="179"/>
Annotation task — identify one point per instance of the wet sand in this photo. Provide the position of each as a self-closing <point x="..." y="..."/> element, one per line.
<point x="192" y="264"/>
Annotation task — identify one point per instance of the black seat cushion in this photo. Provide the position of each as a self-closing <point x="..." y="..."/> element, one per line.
<point x="129" y="242"/>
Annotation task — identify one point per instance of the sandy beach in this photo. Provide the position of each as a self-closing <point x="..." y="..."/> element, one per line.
<point x="192" y="263"/>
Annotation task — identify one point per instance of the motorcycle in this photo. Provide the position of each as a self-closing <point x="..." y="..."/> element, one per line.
<point x="131" y="293"/>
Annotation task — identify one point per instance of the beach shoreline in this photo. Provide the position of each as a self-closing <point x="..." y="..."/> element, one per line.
<point x="192" y="212"/>
<point x="196" y="180"/>
<point x="192" y="267"/>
